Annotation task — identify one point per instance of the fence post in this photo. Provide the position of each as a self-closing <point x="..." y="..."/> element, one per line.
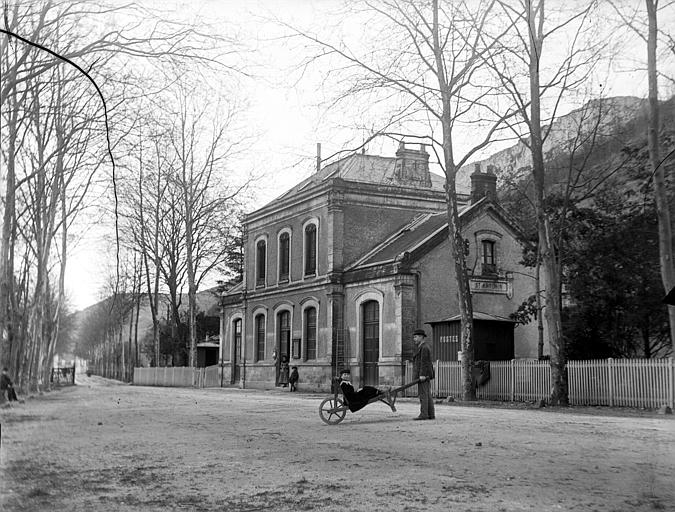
<point x="435" y="391"/>
<point x="671" y="383"/>
<point x="513" y="380"/>
<point x="610" y="371"/>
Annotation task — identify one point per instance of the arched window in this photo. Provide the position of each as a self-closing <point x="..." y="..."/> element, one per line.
<point x="259" y="337"/>
<point x="371" y="341"/>
<point x="284" y="334"/>
<point x="261" y="263"/>
<point x="310" y="332"/>
<point x="236" y="332"/>
<point x="284" y="256"/>
<point x="310" y="250"/>
<point x="488" y="258"/>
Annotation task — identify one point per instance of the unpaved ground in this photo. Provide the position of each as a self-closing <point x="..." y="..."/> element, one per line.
<point x="104" y="447"/>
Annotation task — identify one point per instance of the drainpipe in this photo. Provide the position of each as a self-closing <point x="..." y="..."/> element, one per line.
<point x="418" y="298"/>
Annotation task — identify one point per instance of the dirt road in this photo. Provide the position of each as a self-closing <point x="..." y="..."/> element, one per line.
<point x="104" y="447"/>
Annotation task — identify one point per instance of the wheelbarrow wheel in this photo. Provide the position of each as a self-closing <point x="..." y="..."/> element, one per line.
<point x="332" y="411"/>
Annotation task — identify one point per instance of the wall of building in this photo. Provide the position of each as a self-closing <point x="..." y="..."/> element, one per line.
<point x="391" y="297"/>
<point x="351" y="221"/>
<point x="522" y="281"/>
<point x="369" y="226"/>
<point x="438" y="288"/>
<point x="314" y="373"/>
<point x="270" y="228"/>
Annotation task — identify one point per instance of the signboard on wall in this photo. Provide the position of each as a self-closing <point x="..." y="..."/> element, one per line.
<point x="493" y="286"/>
<point x="296" y="348"/>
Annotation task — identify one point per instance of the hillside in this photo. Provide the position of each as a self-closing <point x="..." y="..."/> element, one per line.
<point x="609" y="124"/>
<point x="207" y="302"/>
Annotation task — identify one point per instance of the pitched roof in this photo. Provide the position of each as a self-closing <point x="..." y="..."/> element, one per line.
<point x="410" y="236"/>
<point x="360" y="168"/>
<point x="422" y="230"/>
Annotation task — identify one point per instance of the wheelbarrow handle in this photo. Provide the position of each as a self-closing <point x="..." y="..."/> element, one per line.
<point x="406" y="386"/>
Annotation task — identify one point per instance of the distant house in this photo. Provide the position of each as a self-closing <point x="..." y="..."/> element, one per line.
<point x="343" y="267"/>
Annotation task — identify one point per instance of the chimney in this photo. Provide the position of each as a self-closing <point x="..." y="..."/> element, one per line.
<point x="483" y="184"/>
<point x="412" y="166"/>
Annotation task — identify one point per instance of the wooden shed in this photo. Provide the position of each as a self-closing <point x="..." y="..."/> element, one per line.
<point x="207" y="353"/>
<point x="493" y="338"/>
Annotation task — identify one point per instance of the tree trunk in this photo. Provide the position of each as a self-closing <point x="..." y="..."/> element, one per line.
<point x="60" y="189"/>
<point x="151" y="284"/>
<point x="454" y="227"/>
<point x="663" y="212"/>
<point x="192" y="289"/>
<point x="547" y="256"/>
<point x="8" y="235"/>
<point x="540" y="314"/>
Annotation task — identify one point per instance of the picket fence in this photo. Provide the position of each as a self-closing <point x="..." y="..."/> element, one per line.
<point x="178" y="376"/>
<point x="647" y="383"/>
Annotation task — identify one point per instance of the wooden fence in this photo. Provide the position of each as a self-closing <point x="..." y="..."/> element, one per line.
<point x="62" y="376"/>
<point x="176" y="376"/>
<point x="648" y="383"/>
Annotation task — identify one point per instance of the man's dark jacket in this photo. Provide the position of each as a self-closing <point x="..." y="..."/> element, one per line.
<point x="422" y="363"/>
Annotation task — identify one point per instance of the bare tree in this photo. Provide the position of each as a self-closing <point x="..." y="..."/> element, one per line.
<point x="57" y="145"/>
<point x="427" y="64"/>
<point x="539" y="99"/>
<point x="200" y="148"/>
<point x="646" y="26"/>
<point x="663" y="205"/>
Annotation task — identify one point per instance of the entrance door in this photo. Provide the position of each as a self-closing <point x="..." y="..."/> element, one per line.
<point x="283" y="340"/>
<point x="371" y="342"/>
<point x="236" y="361"/>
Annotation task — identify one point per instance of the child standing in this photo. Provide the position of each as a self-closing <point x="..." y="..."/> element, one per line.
<point x="283" y="371"/>
<point x="293" y="379"/>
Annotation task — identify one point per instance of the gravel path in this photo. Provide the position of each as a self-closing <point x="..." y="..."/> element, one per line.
<point x="100" y="446"/>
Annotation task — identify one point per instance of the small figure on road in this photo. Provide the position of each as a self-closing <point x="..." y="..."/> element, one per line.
<point x="6" y="387"/>
<point x="423" y="369"/>
<point x="283" y="371"/>
<point x="293" y="379"/>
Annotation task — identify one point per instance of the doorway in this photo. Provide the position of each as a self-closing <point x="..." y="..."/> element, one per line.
<point x="283" y="341"/>
<point x="236" y="359"/>
<point x="371" y="342"/>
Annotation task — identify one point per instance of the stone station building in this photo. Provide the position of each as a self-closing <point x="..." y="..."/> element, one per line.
<point x="339" y="271"/>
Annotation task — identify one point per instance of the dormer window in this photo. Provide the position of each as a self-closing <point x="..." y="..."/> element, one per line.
<point x="260" y="262"/>
<point x="310" y="250"/>
<point x="488" y="258"/>
<point x="284" y="256"/>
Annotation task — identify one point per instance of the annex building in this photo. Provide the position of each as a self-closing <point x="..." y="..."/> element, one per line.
<point x="340" y="270"/>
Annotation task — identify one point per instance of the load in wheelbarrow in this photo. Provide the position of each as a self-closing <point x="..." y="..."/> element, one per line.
<point x="334" y="408"/>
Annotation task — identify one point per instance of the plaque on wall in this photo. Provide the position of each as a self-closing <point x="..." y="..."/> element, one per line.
<point x="296" y="348"/>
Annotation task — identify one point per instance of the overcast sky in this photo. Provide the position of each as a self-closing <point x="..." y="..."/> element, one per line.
<point x="288" y="109"/>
